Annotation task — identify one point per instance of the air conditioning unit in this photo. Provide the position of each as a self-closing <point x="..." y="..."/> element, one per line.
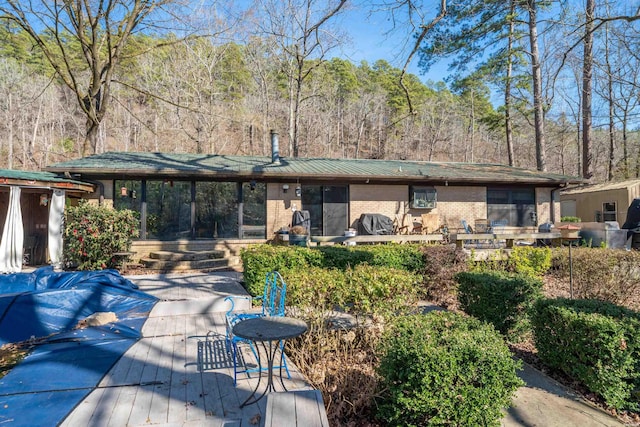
<point x="423" y="198"/>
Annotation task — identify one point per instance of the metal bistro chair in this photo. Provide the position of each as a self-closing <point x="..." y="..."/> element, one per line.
<point x="273" y="299"/>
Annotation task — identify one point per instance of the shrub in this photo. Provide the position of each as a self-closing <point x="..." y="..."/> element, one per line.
<point x="570" y="219"/>
<point x="404" y="257"/>
<point x="258" y="260"/>
<point x="441" y="264"/>
<point x="362" y="289"/>
<point x="594" y="342"/>
<point x="93" y="233"/>
<point x="501" y="299"/>
<point x="443" y="368"/>
<point x="599" y="273"/>
<point x="530" y="260"/>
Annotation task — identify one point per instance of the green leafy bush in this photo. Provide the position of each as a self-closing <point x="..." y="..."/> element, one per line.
<point x="258" y="260"/>
<point x="362" y="289"/>
<point x="594" y="342"/>
<point x="599" y="273"/>
<point x="502" y="299"/>
<point x="93" y="233"/>
<point x="570" y="219"/>
<point x="530" y="260"/>
<point x="444" y="369"/>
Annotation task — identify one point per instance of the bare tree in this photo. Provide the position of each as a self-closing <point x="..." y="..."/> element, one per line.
<point x="301" y="29"/>
<point x="538" y="104"/>
<point x="84" y="41"/>
<point x="587" y="70"/>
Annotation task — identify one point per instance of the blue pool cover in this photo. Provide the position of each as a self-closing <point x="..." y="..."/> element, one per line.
<point x="45" y="387"/>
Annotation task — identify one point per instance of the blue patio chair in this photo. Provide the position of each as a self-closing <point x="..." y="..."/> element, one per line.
<point x="275" y="290"/>
<point x="498" y="225"/>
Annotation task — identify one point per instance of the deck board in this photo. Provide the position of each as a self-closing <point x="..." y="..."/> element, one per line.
<point x="173" y="376"/>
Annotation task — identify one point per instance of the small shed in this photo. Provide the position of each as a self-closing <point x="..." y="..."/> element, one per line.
<point x="604" y="202"/>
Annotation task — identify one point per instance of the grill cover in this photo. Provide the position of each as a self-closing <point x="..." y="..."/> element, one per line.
<point x="374" y="224"/>
<point x="633" y="215"/>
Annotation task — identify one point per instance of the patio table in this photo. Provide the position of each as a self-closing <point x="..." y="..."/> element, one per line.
<point x="271" y="332"/>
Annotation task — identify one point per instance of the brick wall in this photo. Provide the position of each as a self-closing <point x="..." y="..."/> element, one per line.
<point x="389" y="200"/>
<point x="279" y="204"/>
<point x="458" y="203"/>
<point x="543" y="205"/>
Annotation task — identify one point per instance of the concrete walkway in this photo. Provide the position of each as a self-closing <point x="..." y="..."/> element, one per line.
<point x="544" y="402"/>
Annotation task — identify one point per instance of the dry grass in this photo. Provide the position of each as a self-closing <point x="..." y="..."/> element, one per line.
<point x="341" y="364"/>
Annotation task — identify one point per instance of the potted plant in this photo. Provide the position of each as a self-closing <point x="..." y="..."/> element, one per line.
<point x="298" y="235"/>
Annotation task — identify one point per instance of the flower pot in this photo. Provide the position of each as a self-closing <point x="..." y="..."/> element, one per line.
<point x="298" y="239"/>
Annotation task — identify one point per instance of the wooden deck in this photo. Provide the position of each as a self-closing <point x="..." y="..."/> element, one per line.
<point x="173" y="376"/>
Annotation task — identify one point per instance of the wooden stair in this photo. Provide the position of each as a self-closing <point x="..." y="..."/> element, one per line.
<point x="185" y="260"/>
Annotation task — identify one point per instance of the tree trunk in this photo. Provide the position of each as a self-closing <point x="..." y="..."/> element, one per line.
<point x="611" y="109"/>
<point x="587" y="72"/>
<point x="538" y="106"/>
<point x="507" y="88"/>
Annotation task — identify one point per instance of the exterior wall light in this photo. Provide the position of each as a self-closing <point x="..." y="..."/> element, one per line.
<point x="285" y="188"/>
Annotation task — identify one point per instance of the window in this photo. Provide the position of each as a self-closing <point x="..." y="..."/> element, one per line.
<point x="609" y="211"/>
<point x="423" y="197"/>
<point x="515" y="206"/>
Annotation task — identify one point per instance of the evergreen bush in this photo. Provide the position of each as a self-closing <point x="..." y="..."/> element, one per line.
<point x="362" y="289"/>
<point x="502" y="299"/>
<point x="444" y="369"/>
<point x="92" y="234"/>
<point x="530" y="260"/>
<point x="258" y="260"/>
<point x="594" y="342"/>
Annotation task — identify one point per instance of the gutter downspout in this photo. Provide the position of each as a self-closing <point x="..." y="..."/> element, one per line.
<point x="100" y="186"/>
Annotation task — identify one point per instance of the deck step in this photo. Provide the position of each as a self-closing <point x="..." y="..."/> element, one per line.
<point x="187" y="255"/>
<point x="204" y="264"/>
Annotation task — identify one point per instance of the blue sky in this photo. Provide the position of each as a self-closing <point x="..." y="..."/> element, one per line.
<point x="373" y="38"/>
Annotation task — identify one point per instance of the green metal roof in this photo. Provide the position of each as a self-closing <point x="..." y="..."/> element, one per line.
<point x="199" y="166"/>
<point x="38" y="179"/>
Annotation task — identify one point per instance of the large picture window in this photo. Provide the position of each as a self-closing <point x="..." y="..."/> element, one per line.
<point x="216" y="210"/>
<point x="168" y="209"/>
<point x="516" y="206"/>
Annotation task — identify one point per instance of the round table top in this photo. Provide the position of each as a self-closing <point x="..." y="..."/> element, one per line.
<point x="272" y="328"/>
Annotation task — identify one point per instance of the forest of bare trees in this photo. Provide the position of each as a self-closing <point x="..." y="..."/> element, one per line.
<point x="551" y="85"/>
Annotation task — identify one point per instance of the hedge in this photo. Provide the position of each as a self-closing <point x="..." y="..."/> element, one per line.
<point x="362" y="289"/>
<point x="258" y="260"/>
<point x="444" y="369"/>
<point x="502" y="299"/>
<point x="594" y="342"/>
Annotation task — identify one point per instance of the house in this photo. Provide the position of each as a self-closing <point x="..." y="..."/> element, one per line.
<point x="195" y="198"/>
<point x="600" y="202"/>
<point x="31" y="208"/>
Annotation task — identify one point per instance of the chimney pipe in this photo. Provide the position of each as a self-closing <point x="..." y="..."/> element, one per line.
<point x="275" y="148"/>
